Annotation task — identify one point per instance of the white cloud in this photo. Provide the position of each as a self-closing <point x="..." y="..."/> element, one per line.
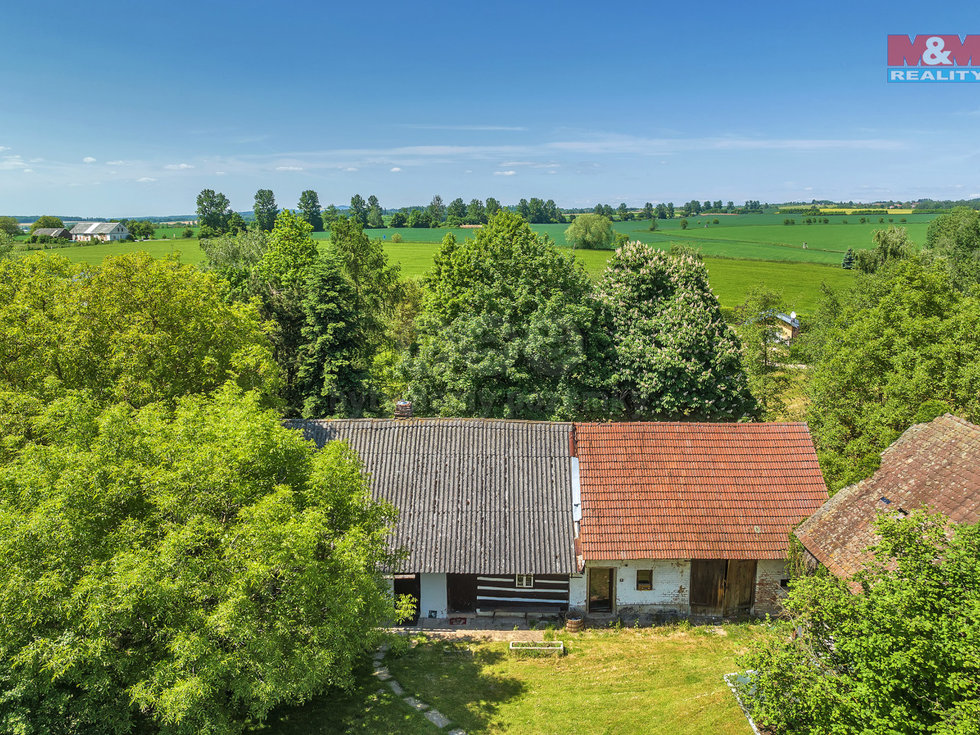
<point x="4" y="148"/>
<point x="33" y="160"/>
<point x="478" y="128"/>
<point x="350" y="168"/>
<point x="289" y="168"/>
<point x="88" y="159"/>
<point x="115" y="163"/>
<point x="28" y="170"/>
<point x="178" y="166"/>
<point x="504" y="173"/>
<point x="11" y="163"/>
<point x="145" y="179"/>
<point x="219" y="173"/>
<point x="395" y="169"/>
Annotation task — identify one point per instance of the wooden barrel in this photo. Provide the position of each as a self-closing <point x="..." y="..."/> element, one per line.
<point x="573" y="625"/>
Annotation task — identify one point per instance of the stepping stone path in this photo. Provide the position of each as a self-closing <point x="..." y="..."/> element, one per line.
<point x="432" y="715"/>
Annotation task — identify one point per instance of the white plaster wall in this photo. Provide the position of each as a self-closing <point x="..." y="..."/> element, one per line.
<point x="578" y="592"/>
<point x="670" y="593"/>
<point x="432" y="595"/>
<point x="671" y="580"/>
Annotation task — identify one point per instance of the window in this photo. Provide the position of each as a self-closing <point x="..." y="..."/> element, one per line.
<point x="644" y="579"/>
<point x="525" y="580"/>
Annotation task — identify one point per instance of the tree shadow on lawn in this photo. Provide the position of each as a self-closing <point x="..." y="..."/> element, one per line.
<point x="447" y="676"/>
<point x="452" y="676"/>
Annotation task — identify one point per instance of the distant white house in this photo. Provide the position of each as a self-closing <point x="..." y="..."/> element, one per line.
<point x="105" y="231"/>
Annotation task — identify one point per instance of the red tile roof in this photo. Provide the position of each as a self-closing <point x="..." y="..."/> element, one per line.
<point x="694" y="491"/>
<point x="934" y="466"/>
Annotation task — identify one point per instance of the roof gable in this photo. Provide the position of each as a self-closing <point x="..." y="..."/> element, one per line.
<point x="96" y="228"/>
<point x="694" y="490"/>
<point x="475" y="496"/>
<point x="934" y="465"/>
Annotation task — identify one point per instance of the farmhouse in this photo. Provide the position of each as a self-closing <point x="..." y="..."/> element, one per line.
<point x="533" y="516"/>
<point x="105" y="231"/>
<point x="690" y="518"/>
<point x="53" y="232"/>
<point x="485" y="508"/>
<point x="933" y="466"/>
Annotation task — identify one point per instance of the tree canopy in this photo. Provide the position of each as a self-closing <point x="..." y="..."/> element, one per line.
<point x="147" y="587"/>
<point x="213" y="211"/>
<point x="902" y="656"/>
<point x="309" y="209"/>
<point x="507" y="329"/>
<point x="901" y="347"/>
<point x="132" y="329"/>
<point x="673" y="355"/>
<point x="46" y="221"/>
<point x="265" y="209"/>
<point x="590" y="231"/>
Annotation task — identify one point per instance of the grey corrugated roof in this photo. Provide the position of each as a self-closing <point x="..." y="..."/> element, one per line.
<point x="94" y="228"/>
<point x="51" y="231"/>
<point x="475" y="496"/>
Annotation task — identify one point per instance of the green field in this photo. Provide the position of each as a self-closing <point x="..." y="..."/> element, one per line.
<point x="653" y="680"/>
<point x="799" y="282"/>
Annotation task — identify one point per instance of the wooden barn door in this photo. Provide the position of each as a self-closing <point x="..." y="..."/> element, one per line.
<point x="708" y="586"/>
<point x="722" y="586"/>
<point x="461" y="592"/>
<point x="740" y="586"/>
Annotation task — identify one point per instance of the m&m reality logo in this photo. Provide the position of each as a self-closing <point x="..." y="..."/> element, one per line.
<point x="934" y="58"/>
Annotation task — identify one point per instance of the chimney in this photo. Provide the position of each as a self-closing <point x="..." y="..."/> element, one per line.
<point x="403" y="410"/>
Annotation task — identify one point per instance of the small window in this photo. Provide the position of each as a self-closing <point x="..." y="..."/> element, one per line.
<point x="644" y="579"/>
<point x="525" y="580"/>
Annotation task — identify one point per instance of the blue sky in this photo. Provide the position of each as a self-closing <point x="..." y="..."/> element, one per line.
<point x="128" y="109"/>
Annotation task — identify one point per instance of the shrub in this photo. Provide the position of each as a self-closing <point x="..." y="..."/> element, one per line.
<point x="397" y="237"/>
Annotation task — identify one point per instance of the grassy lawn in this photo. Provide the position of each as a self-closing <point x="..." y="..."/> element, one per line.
<point x="651" y="680"/>
<point x="730" y="278"/>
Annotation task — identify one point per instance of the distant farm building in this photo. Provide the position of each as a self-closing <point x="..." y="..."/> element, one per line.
<point x="53" y="232"/>
<point x="105" y="231"/>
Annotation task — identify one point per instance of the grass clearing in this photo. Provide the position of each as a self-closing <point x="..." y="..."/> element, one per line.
<point x="730" y="278"/>
<point x="648" y="680"/>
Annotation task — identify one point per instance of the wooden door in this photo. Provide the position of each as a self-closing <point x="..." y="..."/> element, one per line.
<point x="461" y="592"/>
<point x="708" y="586"/>
<point x="601" y="589"/>
<point x="740" y="586"/>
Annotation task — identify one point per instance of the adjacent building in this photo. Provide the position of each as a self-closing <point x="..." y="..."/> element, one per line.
<point x="690" y="518"/>
<point x="933" y="466"/>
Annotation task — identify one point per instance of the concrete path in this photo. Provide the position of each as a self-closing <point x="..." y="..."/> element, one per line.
<point x="432" y="715"/>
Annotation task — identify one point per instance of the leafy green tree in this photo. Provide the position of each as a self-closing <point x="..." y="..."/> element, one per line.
<point x="622" y="212"/>
<point x="132" y="329"/>
<point x="398" y="219"/>
<point x="955" y="237"/>
<point x="456" y="209"/>
<point x="891" y="244"/>
<point x="330" y="215"/>
<point x="236" y="223"/>
<point x="670" y="210"/>
<point x="762" y="349"/>
<point x="358" y="209"/>
<point x="421" y="218"/>
<point x="10" y="226"/>
<point x="493" y="206"/>
<point x="673" y="354"/>
<point x="436" y="210"/>
<point x="213" y="210"/>
<point x="235" y="258"/>
<point x="684" y="224"/>
<point x="375" y="218"/>
<point x="590" y="231"/>
<point x="903" y="656"/>
<point x="508" y="329"/>
<point x="476" y="213"/>
<point x="46" y="221"/>
<point x="334" y="377"/>
<point x="6" y="245"/>
<point x="309" y="209"/>
<point x="265" y="209"/>
<point x="178" y="570"/>
<point x="848" y="262"/>
<point x="647" y="211"/>
<point x="364" y="262"/>
<point x="902" y="347"/>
